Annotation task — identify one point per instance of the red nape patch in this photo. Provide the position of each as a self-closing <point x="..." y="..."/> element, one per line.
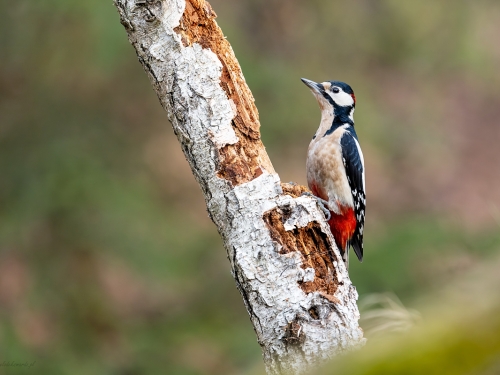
<point x="354" y="98"/>
<point x="343" y="226"/>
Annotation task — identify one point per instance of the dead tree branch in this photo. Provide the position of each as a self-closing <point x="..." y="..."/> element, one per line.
<point x="283" y="258"/>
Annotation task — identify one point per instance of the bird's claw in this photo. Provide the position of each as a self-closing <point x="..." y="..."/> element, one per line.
<point x="321" y="203"/>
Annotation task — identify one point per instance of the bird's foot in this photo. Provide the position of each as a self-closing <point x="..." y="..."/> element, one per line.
<point x="321" y="203"/>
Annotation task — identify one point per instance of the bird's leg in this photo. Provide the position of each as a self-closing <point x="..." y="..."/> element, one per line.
<point x="321" y="203"/>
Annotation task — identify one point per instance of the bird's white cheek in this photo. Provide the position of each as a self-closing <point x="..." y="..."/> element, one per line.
<point x="343" y="99"/>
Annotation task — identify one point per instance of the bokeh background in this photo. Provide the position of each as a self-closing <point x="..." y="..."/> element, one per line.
<point x="108" y="261"/>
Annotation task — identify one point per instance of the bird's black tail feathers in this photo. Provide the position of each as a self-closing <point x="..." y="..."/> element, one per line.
<point x="358" y="249"/>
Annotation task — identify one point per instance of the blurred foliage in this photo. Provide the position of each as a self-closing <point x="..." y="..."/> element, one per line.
<point x="460" y="335"/>
<point x="108" y="262"/>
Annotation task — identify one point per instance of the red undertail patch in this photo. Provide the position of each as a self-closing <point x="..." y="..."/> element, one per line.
<point x="343" y="226"/>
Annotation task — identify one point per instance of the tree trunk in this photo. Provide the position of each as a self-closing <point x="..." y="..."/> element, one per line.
<point x="283" y="257"/>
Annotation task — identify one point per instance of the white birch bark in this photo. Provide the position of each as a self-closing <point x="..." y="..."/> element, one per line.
<point x="284" y="260"/>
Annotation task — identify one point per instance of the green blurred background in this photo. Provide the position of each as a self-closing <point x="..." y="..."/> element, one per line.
<point x="108" y="261"/>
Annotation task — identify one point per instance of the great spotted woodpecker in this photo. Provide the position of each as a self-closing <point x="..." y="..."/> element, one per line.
<point x="335" y="165"/>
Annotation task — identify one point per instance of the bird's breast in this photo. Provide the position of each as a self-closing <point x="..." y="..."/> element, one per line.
<point x="325" y="170"/>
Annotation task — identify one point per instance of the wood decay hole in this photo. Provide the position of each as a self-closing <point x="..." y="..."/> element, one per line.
<point x="245" y="160"/>
<point x="313" y="312"/>
<point x="313" y="245"/>
<point x="294" y="335"/>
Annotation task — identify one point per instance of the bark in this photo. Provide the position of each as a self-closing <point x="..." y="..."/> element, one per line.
<point x="283" y="257"/>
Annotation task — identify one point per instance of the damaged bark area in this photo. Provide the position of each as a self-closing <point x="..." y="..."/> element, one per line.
<point x="313" y="244"/>
<point x="314" y="247"/>
<point x="293" y="189"/>
<point x="236" y="166"/>
<point x="241" y="162"/>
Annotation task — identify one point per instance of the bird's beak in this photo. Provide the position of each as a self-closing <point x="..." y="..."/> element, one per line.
<point x="316" y="88"/>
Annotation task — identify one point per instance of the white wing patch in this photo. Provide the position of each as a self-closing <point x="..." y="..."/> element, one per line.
<point x="362" y="161"/>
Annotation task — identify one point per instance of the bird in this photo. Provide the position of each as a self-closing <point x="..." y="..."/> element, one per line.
<point x="335" y="166"/>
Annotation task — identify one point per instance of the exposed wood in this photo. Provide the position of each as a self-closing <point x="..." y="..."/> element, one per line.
<point x="283" y="258"/>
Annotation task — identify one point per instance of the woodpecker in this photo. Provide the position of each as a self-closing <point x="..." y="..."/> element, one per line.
<point x="335" y="165"/>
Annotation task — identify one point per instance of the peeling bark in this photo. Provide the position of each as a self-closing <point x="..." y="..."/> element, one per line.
<point x="283" y="257"/>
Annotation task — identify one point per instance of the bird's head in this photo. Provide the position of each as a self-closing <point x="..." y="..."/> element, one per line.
<point x="331" y="94"/>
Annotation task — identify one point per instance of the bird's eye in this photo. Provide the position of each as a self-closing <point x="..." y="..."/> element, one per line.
<point x="335" y="90"/>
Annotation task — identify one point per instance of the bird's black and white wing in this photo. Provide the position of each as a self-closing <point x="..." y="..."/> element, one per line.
<point x="355" y="170"/>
